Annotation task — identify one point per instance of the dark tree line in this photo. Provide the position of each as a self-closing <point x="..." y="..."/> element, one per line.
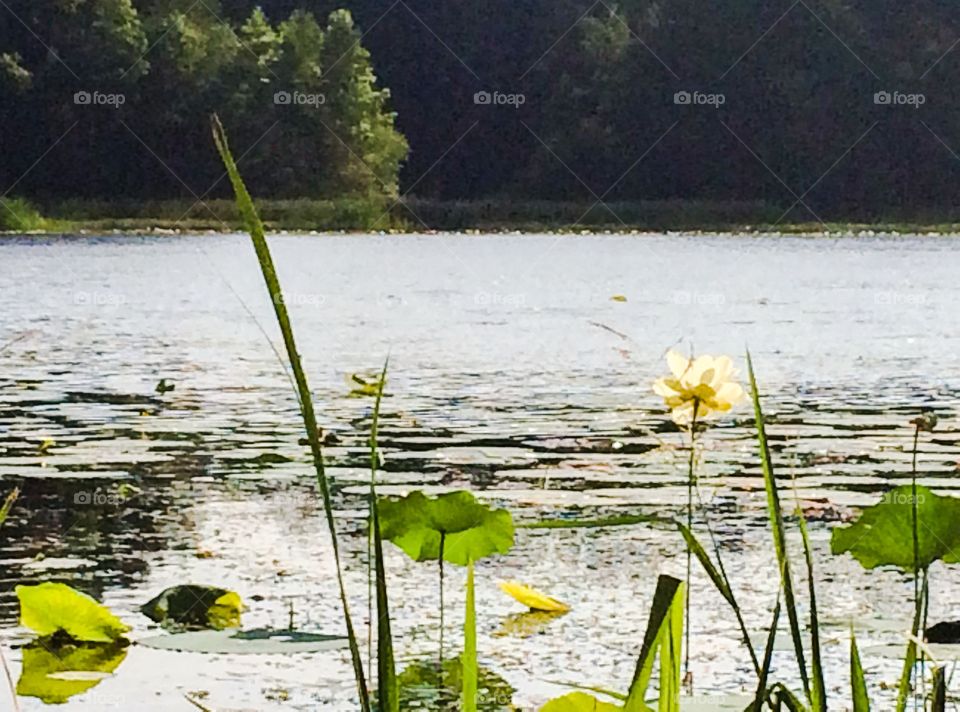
<point x="802" y="115"/>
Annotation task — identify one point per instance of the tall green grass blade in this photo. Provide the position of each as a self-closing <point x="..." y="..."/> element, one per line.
<point x="761" y="696"/>
<point x="257" y="234"/>
<point x="8" y="505"/>
<point x="666" y="620"/>
<point x="819" y="688"/>
<point x="388" y="695"/>
<point x="722" y="584"/>
<point x="910" y="660"/>
<point x="671" y="651"/>
<point x="858" y="683"/>
<point x="469" y="660"/>
<point x="779" y="530"/>
<point x="938" y="702"/>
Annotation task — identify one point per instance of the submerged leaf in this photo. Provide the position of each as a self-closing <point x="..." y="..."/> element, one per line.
<point x="428" y="686"/>
<point x="50" y="608"/>
<point x="532" y="598"/>
<point x="883" y="534"/>
<point x="579" y="702"/>
<point x="55" y="674"/>
<point x="468" y="529"/>
<point x="194" y="606"/>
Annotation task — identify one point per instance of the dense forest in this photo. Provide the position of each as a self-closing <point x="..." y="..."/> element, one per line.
<point x="842" y="106"/>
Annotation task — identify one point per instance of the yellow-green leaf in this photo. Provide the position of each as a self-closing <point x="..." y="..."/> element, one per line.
<point x="49" y="608"/>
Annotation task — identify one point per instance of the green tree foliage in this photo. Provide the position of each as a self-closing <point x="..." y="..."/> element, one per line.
<point x="309" y="131"/>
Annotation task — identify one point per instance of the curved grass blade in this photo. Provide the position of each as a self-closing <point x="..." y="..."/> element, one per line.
<point x="469" y="659"/>
<point x="722" y="584"/>
<point x="785" y="698"/>
<point x="387" y="691"/>
<point x="8" y="504"/>
<point x="910" y="660"/>
<point x="819" y="688"/>
<point x="761" y="695"/>
<point x="665" y="622"/>
<point x="255" y="227"/>
<point x="779" y="530"/>
<point x="858" y="684"/>
<point x="939" y="701"/>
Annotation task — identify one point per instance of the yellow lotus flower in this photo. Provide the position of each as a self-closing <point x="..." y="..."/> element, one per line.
<point x="532" y="598"/>
<point x="706" y="383"/>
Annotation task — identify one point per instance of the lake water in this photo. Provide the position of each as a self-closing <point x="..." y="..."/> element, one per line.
<point x="513" y="373"/>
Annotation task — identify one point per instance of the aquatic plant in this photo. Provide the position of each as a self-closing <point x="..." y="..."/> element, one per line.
<point x="194" y="606"/>
<point x="257" y="233"/>
<point x="19" y="215"/>
<point x="663" y="640"/>
<point x="54" y="608"/>
<point x="456" y="528"/>
<point x="533" y="599"/>
<point x="388" y="699"/>
<point x="697" y="389"/>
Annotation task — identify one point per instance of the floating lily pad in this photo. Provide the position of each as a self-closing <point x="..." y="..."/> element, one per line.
<point x="468" y="529"/>
<point x="424" y="686"/>
<point x="55" y="608"/>
<point x="883" y="534"/>
<point x="55" y="674"/>
<point x="259" y="641"/>
<point x="194" y="606"/>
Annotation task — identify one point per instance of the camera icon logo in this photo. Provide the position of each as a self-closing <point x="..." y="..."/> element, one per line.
<point x="883" y="98"/>
<point x="282" y="98"/>
<point x="682" y="98"/>
<point x="482" y="97"/>
<point x="82" y="98"/>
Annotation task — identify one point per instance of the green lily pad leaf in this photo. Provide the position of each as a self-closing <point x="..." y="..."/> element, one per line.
<point x="55" y="674"/>
<point x="427" y="686"/>
<point x="51" y="608"/>
<point x="192" y="606"/>
<point x="468" y="529"/>
<point x="579" y="702"/>
<point x="259" y="641"/>
<point x="883" y="534"/>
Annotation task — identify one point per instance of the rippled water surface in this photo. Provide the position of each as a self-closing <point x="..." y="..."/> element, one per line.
<point x="512" y="373"/>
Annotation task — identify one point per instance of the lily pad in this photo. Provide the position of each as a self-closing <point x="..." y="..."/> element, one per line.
<point x="467" y="529"/>
<point x="55" y="674"/>
<point x="51" y="608"/>
<point x="258" y="641"/>
<point x="193" y="606"/>
<point x="883" y="534"/>
<point x="426" y="686"/>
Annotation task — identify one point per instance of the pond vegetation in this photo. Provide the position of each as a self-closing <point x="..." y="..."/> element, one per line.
<point x="80" y="642"/>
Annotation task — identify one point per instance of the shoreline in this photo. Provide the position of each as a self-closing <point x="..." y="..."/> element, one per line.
<point x="411" y="216"/>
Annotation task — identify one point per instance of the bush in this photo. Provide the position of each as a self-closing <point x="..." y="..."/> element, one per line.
<point x="19" y="215"/>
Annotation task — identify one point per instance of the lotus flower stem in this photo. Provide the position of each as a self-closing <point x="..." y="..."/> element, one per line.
<point x="915" y="524"/>
<point x="690" y="487"/>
